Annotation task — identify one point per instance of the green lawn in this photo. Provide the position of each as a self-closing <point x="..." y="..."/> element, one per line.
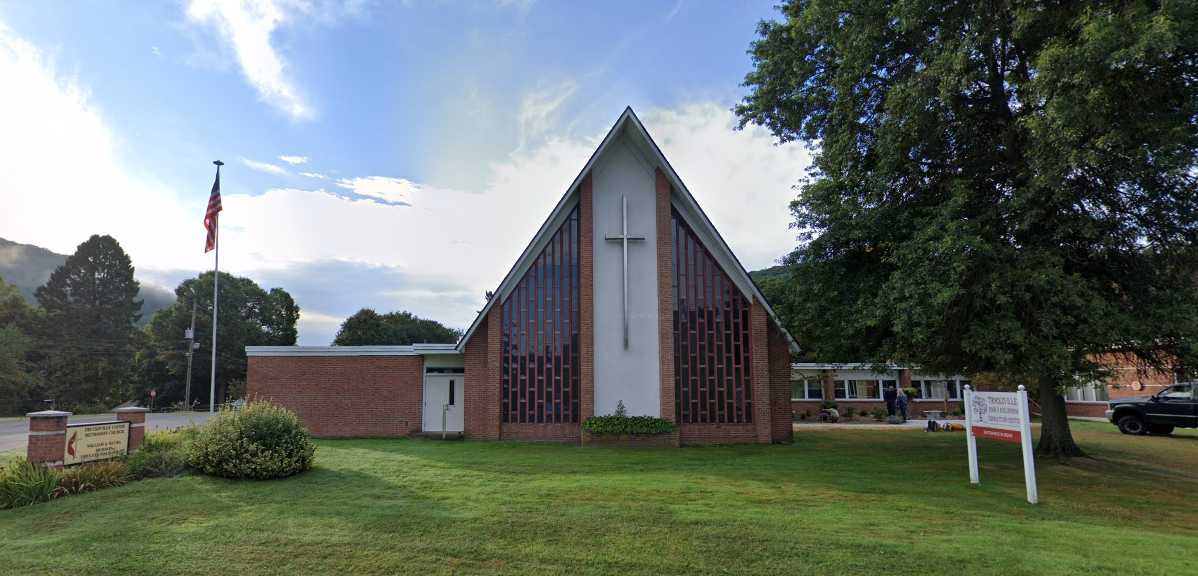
<point x="835" y="502"/>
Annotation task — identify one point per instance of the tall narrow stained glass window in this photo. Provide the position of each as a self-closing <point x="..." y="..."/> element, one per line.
<point x="711" y="337"/>
<point x="540" y="342"/>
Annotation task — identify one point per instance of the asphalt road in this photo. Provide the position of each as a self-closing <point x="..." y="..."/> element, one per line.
<point x="13" y="431"/>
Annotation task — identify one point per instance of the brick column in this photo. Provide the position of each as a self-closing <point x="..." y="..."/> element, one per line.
<point x="905" y="378"/>
<point x="782" y="417"/>
<point x="493" y="381"/>
<point x="47" y="437"/>
<point x="475" y="383"/>
<point x="759" y="326"/>
<point x="586" y="299"/>
<point x="136" y="417"/>
<point x="665" y="295"/>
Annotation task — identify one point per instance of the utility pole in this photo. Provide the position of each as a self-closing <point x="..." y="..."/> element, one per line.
<point x="192" y="345"/>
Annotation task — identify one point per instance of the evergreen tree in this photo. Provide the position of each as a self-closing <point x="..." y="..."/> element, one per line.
<point x="1003" y="188"/>
<point x="90" y="306"/>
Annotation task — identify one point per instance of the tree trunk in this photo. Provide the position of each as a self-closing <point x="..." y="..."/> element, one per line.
<point x="1056" y="440"/>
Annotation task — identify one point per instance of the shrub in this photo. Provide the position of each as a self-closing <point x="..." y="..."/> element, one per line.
<point x="158" y="464"/>
<point x="615" y="424"/>
<point x="92" y="476"/>
<point x="848" y="412"/>
<point x="162" y="454"/>
<point x="878" y="414"/>
<point x="260" y="441"/>
<point x="827" y="404"/>
<point x="23" y="483"/>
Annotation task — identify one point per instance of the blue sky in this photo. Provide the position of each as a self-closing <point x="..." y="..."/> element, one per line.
<point x="396" y="155"/>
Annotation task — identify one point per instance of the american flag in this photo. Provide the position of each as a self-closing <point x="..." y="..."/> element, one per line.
<point x="214" y="208"/>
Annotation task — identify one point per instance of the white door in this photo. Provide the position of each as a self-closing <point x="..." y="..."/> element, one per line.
<point x="442" y="402"/>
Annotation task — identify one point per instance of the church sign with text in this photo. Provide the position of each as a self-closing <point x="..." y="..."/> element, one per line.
<point x="97" y="441"/>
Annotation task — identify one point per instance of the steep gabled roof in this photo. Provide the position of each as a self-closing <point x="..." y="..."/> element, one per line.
<point x="628" y="122"/>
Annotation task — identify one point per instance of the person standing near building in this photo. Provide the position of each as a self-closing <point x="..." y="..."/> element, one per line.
<point x="901" y="400"/>
<point x="890" y="395"/>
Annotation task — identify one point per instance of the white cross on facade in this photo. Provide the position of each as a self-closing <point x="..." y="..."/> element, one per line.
<point x="623" y="238"/>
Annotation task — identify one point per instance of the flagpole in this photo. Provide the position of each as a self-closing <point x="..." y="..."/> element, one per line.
<point x="215" y="302"/>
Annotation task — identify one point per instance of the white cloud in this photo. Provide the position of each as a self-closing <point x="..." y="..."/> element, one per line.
<point x="266" y="167"/>
<point x="389" y="190"/>
<point x="538" y="110"/>
<point x="155" y="51"/>
<point x="294" y="160"/>
<point x="435" y="256"/>
<point x="247" y="25"/>
<point x="519" y="5"/>
<point x="64" y="178"/>
<point x="674" y="11"/>
<point x="743" y="181"/>
<point x="314" y="175"/>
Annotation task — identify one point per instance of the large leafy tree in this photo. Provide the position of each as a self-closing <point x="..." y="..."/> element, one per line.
<point x="90" y="306"/>
<point x="1007" y="186"/>
<point x="18" y="378"/>
<point x="248" y="316"/>
<point x="367" y="327"/>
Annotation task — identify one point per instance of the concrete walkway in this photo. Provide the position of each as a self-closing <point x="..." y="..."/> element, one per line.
<point x="14" y="431"/>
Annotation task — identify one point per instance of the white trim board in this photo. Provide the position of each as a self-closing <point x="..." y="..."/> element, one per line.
<point x="410" y="350"/>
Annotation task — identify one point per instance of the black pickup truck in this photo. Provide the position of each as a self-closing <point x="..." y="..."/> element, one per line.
<point x="1174" y="406"/>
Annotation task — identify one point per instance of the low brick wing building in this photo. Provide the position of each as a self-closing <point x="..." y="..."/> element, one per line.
<point x="626" y="296"/>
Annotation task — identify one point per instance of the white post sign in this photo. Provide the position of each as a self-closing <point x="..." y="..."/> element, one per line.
<point x="1000" y="416"/>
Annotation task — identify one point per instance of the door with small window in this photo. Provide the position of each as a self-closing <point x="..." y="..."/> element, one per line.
<point x="442" y="403"/>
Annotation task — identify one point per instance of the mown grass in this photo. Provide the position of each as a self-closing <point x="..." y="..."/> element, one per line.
<point x="835" y="502"/>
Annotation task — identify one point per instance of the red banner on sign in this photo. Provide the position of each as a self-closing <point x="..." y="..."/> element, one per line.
<point x="997" y="434"/>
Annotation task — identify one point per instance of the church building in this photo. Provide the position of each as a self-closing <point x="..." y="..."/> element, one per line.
<point x="627" y="295"/>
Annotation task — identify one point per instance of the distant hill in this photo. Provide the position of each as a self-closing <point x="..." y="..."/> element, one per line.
<point x="770" y="273"/>
<point x="28" y="267"/>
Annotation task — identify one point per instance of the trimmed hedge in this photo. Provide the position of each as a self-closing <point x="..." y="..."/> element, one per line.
<point x="260" y="441"/>
<point x="620" y="424"/>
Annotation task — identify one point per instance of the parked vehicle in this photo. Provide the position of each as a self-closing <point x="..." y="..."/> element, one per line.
<point x="1160" y="413"/>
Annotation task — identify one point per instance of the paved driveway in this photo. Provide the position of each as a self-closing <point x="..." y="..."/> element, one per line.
<point x="14" y="431"/>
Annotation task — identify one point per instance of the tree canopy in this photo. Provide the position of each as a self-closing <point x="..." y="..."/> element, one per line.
<point x="367" y="327"/>
<point x="18" y="377"/>
<point x="1005" y="189"/>
<point x="248" y="316"/>
<point x="86" y="337"/>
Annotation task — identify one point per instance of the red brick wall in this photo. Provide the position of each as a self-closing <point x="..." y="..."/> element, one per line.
<point x="1123" y="382"/>
<point x="343" y="395"/>
<point x="586" y="299"/>
<point x="690" y="434"/>
<point x="665" y="295"/>
<point x="759" y="326"/>
<point x="780" y="414"/>
<point x="46" y="442"/>
<point x="475" y="382"/>
<point x="1090" y="409"/>
<point x="566" y="432"/>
